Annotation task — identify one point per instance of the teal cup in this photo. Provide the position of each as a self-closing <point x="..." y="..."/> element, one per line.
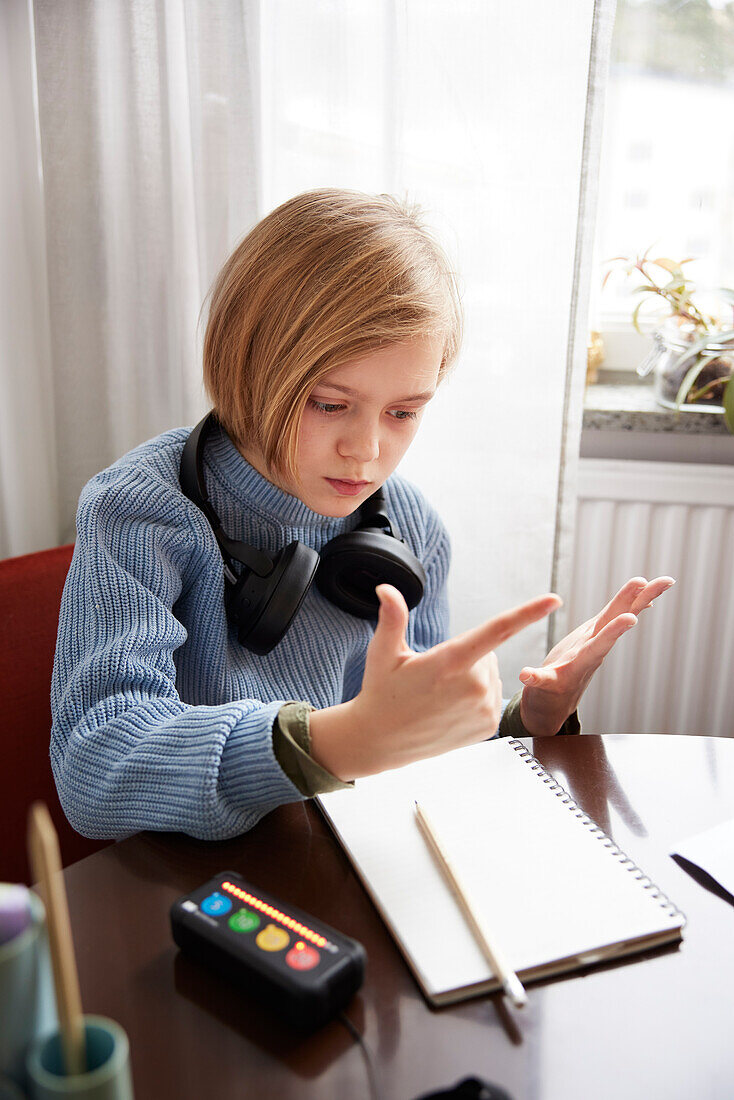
<point x="26" y="996"/>
<point x="107" y="1076"/>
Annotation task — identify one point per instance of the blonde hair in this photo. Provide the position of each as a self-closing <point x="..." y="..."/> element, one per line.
<point x="325" y="278"/>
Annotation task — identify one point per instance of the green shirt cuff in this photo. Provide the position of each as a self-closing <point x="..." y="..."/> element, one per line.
<point x="511" y="722"/>
<point x="292" y="748"/>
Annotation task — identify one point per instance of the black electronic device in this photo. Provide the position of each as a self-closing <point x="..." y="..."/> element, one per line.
<point x="295" y="964"/>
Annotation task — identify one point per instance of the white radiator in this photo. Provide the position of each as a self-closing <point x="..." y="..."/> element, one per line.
<point x="674" y="672"/>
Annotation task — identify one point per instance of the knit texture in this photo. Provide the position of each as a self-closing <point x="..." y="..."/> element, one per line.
<point x="161" y="720"/>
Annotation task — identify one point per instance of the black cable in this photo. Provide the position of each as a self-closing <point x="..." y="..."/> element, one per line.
<point x="375" y="1092"/>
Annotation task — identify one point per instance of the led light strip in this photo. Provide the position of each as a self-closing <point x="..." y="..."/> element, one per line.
<point x="276" y="914"/>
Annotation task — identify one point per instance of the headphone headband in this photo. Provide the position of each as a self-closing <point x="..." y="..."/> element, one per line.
<point x="194" y="486"/>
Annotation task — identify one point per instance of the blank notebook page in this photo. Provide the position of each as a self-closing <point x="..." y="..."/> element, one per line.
<point x="549" y="885"/>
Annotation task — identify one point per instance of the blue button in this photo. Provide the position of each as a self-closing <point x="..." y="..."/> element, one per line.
<point x="216" y="904"/>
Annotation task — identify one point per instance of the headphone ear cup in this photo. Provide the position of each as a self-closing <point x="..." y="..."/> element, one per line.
<point x="262" y="608"/>
<point x="352" y="566"/>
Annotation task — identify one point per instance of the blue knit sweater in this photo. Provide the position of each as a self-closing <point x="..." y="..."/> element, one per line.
<point x="161" y="720"/>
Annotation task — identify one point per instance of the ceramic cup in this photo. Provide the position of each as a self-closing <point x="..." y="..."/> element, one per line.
<point x="108" y="1065"/>
<point x="26" y="995"/>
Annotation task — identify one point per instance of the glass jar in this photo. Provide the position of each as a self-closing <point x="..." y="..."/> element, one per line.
<point x="670" y="364"/>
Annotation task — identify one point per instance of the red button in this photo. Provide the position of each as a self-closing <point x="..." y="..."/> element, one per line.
<point x="303" y="957"/>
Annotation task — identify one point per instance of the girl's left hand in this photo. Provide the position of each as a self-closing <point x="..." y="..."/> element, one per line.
<point x="552" y="692"/>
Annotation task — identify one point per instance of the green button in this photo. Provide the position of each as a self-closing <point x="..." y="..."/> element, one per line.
<point x="244" y="920"/>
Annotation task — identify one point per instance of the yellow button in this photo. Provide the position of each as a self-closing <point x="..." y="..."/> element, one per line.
<point x="272" y="938"/>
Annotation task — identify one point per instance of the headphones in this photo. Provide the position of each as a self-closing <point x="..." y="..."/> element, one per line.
<point x="262" y="599"/>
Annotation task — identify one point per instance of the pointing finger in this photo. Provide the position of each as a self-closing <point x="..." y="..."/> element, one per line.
<point x="467" y="648"/>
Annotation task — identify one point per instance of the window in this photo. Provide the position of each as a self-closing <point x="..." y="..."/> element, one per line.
<point x="667" y="167"/>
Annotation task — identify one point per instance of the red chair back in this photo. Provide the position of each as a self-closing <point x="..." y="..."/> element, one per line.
<point x="30" y="596"/>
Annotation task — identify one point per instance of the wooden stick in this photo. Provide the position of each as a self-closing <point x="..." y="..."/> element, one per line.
<point x="501" y="969"/>
<point x="45" y="858"/>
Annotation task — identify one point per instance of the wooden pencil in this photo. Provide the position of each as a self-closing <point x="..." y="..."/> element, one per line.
<point x="501" y="969"/>
<point x="45" y="858"/>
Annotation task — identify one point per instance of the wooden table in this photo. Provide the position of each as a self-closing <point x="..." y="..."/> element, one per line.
<point x="659" y="1025"/>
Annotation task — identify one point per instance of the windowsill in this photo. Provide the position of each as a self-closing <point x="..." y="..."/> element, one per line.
<point x="624" y="402"/>
<point x="622" y="420"/>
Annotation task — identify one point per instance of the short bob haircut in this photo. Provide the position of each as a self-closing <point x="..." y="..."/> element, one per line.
<point x="326" y="278"/>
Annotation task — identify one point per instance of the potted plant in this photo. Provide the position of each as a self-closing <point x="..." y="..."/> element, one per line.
<point x="693" y="351"/>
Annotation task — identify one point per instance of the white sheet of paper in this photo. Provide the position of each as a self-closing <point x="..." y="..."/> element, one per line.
<point x="713" y="852"/>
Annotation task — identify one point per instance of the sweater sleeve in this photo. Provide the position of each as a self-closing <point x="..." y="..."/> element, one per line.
<point x="127" y="753"/>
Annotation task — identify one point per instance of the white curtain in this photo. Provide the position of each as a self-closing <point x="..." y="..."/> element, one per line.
<point x="124" y="194"/>
<point x="29" y="511"/>
<point x="164" y="129"/>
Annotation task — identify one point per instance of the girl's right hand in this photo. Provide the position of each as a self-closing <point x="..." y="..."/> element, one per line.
<point x="416" y="705"/>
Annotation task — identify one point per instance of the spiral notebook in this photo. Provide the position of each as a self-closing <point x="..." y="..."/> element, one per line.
<point x="556" y="892"/>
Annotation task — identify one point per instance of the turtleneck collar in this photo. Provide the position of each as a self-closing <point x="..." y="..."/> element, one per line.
<point x="244" y="483"/>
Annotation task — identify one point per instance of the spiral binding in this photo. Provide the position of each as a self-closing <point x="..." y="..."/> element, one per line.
<point x="560" y="792"/>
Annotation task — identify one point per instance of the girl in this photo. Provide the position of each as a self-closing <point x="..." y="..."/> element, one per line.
<point x="218" y="653"/>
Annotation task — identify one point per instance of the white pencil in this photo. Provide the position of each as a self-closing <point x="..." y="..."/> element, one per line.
<point x="501" y="969"/>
